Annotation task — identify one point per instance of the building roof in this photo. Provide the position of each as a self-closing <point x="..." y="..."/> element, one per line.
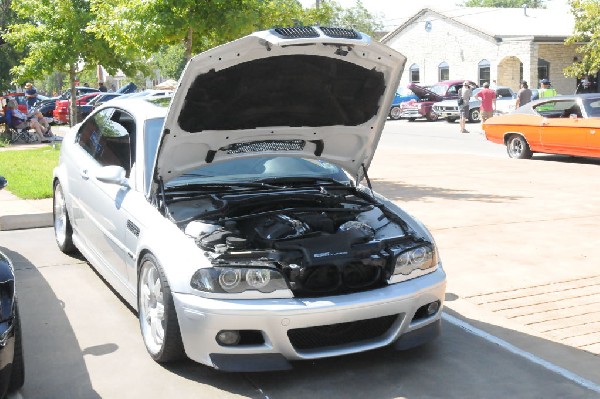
<point x="501" y="23"/>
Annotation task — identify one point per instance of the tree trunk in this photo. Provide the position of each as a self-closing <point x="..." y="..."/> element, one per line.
<point x="188" y="44"/>
<point x="73" y="99"/>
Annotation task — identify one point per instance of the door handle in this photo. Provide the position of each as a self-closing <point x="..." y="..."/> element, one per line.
<point x="84" y="174"/>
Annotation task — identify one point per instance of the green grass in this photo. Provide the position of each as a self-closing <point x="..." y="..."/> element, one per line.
<point x="29" y="172"/>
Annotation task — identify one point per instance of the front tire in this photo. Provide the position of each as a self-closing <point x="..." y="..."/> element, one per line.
<point x="157" y="316"/>
<point x="517" y="147"/>
<point x="431" y="116"/>
<point x="63" y="231"/>
<point x="474" y="115"/>
<point x="395" y="113"/>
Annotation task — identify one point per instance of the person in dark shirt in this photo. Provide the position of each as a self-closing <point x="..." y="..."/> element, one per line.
<point x="31" y="95"/>
<point x="101" y="87"/>
<point x="524" y="95"/>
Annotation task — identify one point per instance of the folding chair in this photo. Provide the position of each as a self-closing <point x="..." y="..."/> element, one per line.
<point x="15" y="135"/>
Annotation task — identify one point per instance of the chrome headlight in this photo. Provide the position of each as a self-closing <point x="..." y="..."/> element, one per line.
<point x="234" y="280"/>
<point x="422" y="257"/>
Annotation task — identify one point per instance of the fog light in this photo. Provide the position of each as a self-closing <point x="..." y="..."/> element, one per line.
<point x="433" y="307"/>
<point x="228" y="337"/>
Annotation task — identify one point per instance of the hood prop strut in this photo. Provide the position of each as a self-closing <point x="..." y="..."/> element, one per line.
<point x="162" y="204"/>
<point x="367" y="179"/>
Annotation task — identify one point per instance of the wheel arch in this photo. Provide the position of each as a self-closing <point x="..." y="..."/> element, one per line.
<point x="508" y="134"/>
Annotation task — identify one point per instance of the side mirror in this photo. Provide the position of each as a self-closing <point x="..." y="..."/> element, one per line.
<point x="112" y="174"/>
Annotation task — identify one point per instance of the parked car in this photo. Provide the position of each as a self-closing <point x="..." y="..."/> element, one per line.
<point x="18" y="97"/>
<point x="505" y="103"/>
<point x="557" y="125"/>
<point x="244" y="240"/>
<point x="402" y="95"/>
<point x="61" y="110"/>
<point x="423" y="107"/>
<point x="47" y="106"/>
<point x="84" y="110"/>
<point x="12" y="363"/>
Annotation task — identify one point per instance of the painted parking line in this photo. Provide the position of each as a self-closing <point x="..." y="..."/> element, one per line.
<point x="529" y="356"/>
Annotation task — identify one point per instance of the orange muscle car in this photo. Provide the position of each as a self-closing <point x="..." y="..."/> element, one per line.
<point x="558" y="125"/>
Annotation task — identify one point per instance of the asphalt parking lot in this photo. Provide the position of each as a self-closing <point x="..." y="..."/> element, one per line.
<point x="519" y="244"/>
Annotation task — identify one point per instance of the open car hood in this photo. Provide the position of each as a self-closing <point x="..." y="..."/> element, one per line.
<point x="424" y="94"/>
<point x="310" y="92"/>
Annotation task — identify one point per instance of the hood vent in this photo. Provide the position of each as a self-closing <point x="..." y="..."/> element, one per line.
<point x="340" y="33"/>
<point x="267" y="145"/>
<point x="296" y="32"/>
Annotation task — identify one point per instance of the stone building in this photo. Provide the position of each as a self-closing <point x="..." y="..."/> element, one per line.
<point x="507" y="45"/>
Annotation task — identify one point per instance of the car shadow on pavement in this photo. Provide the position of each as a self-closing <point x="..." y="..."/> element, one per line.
<point x="566" y="159"/>
<point x="456" y="365"/>
<point x="397" y="191"/>
<point x="47" y="334"/>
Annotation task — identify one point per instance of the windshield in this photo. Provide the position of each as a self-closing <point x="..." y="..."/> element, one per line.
<point x="439" y="89"/>
<point x="248" y="170"/>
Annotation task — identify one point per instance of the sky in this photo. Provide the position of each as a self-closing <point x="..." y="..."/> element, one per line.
<point x="394" y="12"/>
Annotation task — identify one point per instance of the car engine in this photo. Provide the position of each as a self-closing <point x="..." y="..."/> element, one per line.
<point x="323" y="243"/>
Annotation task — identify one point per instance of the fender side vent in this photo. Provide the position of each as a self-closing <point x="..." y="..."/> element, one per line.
<point x="133" y="228"/>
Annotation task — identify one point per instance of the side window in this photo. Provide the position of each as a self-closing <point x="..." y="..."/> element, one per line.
<point x="106" y="139"/>
<point x="504" y="93"/>
<point x="558" y="109"/>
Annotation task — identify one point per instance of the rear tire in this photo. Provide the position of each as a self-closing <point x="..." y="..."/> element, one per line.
<point x="63" y="231"/>
<point x="157" y="316"/>
<point x="517" y="147"/>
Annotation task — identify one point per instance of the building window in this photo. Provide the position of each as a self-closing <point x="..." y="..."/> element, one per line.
<point x="543" y="69"/>
<point x="414" y="73"/>
<point x="484" y="72"/>
<point x="443" y="71"/>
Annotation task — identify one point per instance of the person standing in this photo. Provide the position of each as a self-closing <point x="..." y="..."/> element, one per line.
<point x="464" y="95"/>
<point x="547" y="90"/>
<point x="101" y="87"/>
<point x="487" y="97"/>
<point x="524" y="95"/>
<point x="31" y="95"/>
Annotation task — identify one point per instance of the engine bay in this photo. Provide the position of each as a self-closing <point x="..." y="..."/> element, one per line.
<point x="323" y="241"/>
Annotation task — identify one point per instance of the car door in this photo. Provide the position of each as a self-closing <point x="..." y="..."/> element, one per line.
<point x="559" y="132"/>
<point x="101" y="218"/>
<point x="592" y="114"/>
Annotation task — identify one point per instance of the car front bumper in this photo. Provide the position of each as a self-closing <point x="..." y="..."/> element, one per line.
<point x="282" y="321"/>
<point x="447" y="113"/>
<point x="411" y="113"/>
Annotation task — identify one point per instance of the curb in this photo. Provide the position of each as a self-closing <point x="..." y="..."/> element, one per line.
<point x="25" y="221"/>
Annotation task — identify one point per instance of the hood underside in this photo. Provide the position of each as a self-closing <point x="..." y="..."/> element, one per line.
<point x="424" y="94"/>
<point x="322" y="96"/>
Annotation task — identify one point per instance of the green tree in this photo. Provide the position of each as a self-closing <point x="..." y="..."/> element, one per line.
<point x="357" y="17"/>
<point x="170" y="61"/>
<point x="9" y="56"/>
<point x="587" y="32"/>
<point x="55" y="37"/>
<point x="505" y="3"/>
